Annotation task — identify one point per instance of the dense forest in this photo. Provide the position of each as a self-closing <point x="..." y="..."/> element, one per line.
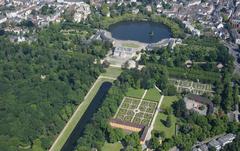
<point x="41" y="83"/>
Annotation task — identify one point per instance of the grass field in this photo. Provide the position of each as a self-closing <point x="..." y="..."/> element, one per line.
<point x="63" y="136"/>
<point x="112" y="147"/>
<point x="112" y="72"/>
<point x="168" y="101"/>
<point x="161" y="117"/>
<point x="136" y="93"/>
<point x="152" y="95"/>
<point x="131" y="45"/>
<point x="158" y="125"/>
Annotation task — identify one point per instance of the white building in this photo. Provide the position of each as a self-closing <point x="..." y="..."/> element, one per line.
<point x="123" y="52"/>
<point x="215" y="144"/>
<point x="193" y="30"/>
<point x="3" y="19"/>
<point x="226" y="139"/>
<point x="2" y="2"/>
<point x="194" y="2"/>
<point x="82" y="12"/>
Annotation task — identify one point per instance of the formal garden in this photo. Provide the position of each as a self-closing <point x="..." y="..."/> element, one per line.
<point x="138" y="106"/>
<point x="191" y="86"/>
<point x="137" y="111"/>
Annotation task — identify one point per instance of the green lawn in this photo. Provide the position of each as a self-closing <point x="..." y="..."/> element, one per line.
<point x="62" y="138"/>
<point x="168" y="101"/>
<point x="112" y="147"/>
<point x="158" y="125"/>
<point x="131" y="45"/>
<point x="136" y="93"/>
<point x="153" y="95"/>
<point x="113" y="72"/>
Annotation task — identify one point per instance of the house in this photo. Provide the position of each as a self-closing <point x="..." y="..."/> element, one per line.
<point x="135" y="11"/>
<point x="149" y="8"/>
<point x="199" y="104"/>
<point x="194" y="2"/>
<point x="203" y="147"/>
<point x="82" y="12"/>
<point x="235" y="36"/>
<point x="191" y="28"/>
<point x="226" y="139"/>
<point x="214" y="144"/>
<point x="3" y="19"/>
<point x="2" y="2"/>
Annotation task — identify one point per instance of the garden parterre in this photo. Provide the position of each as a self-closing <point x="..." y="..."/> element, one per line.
<point x="136" y="111"/>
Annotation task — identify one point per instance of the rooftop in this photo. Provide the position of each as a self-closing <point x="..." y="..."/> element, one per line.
<point x="214" y="143"/>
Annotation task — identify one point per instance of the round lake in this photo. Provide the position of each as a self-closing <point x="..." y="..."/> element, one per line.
<point x="142" y="31"/>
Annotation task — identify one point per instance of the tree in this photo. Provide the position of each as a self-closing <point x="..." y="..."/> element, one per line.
<point x="132" y="141"/>
<point x="168" y="110"/>
<point x="236" y="95"/>
<point x="171" y="90"/>
<point x="227" y="102"/>
<point x="168" y="122"/>
<point x="154" y="143"/>
<point x="115" y="135"/>
<point x="105" y="9"/>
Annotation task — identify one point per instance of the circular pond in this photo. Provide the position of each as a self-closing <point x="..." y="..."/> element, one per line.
<point x="142" y="31"/>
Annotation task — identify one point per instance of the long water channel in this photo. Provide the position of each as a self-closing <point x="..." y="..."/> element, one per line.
<point x="86" y="118"/>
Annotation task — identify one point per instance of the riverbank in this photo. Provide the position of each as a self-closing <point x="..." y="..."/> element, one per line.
<point x="73" y="121"/>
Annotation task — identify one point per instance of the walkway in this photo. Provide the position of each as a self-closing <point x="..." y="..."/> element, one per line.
<point x="139" y="104"/>
<point x="148" y="137"/>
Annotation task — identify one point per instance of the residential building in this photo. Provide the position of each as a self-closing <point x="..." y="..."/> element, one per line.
<point x="194" y="2"/>
<point x="214" y="144"/>
<point x="2" y="2"/>
<point x="235" y="36"/>
<point x="3" y="19"/>
<point x="191" y="28"/>
<point x="203" y="147"/>
<point x="82" y="12"/>
<point x="226" y="139"/>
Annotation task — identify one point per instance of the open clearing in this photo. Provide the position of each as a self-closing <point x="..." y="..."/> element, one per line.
<point x="131" y="45"/>
<point x="113" y="72"/>
<point x="161" y="117"/>
<point x="152" y="95"/>
<point x="72" y="122"/>
<point x="112" y="146"/>
<point x="135" y="93"/>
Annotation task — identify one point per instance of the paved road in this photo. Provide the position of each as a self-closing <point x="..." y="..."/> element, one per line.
<point x="233" y="51"/>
